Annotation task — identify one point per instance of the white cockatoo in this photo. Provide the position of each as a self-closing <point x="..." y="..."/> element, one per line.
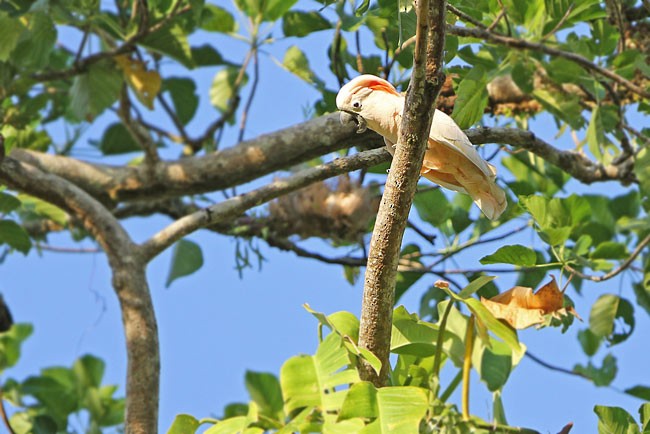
<point x="450" y="160"/>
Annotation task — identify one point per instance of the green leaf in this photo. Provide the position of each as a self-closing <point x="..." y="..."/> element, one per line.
<point x="589" y="341"/>
<point x="170" y="41"/>
<point x="206" y="55"/>
<point x="604" y="313"/>
<point x="34" y="47"/>
<point x="310" y="381"/>
<point x="564" y="107"/>
<point x="432" y="206"/>
<point x="14" y="236"/>
<point x="184" y="424"/>
<point x="44" y="209"/>
<point x="184" y="97"/>
<point x="264" y="389"/>
<point x="297" y="63"/>
<point x="641" y="392"/>
<point x="224" y="87"/>
<point x="298" y="23"/>
<point x="362" y="8"/>
<point x="514" y="254"/>
<point x="91" y="93"/>
<point x="11" y="342"/>
<point x="610" y="250"/>
<point x="117" y="140"/>
<point x="186" y="259"/>
<point x="596" y="134"/>
<point x="410" y="336"/>
<point x="644" y="412"/>
<point x="8" y="203"/>
<point x="493" y="364"/>
<point x="642" y="293"/>
<point x="217" y="19"/>
<point x="89" y="371"/>
<point x="10" y="32"/>
<point x="475" y="285"/>
<point x="274" y="9"/>
<point x="504" y="332"/>
<point x="602" y="376"/>
<point x="626" y="205"/>
<point x="472" y="98"/>
<point x="615" y="420"/>
<point x="642" y="172"/>
<point x="395" y="409"/>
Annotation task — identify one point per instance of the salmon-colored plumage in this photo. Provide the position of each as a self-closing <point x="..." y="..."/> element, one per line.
<point x="450" y="160"/>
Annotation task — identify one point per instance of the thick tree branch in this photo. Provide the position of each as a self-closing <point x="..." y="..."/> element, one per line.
<point x="522" y="44"/>
<point x="577" y="165"/>
<point x="245" y="162"/>
<point x="379" y="288"/>
<point x="234" y="206"/>
<point x="129" y="281"/>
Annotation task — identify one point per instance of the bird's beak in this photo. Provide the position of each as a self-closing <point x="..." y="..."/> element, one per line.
<point x="359" y="121"/>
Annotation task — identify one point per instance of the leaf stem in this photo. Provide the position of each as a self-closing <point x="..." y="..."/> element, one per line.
<point x="467" y="365"/>
<point x="441" y="333"/>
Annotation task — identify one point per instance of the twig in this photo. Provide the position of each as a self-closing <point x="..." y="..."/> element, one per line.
<point x="233" y="104"/>
<point x="129" y="45"/>
<point x="3" y="414"/>
<point x="554" y="367"/>
<point x="559" y="23"/>
<point x="501" y="14"/>
<point x="522" y="44"/>
<point x="357" y="42"/>
<point x="286" y="245"/>
<point x="174" y="117"/>
<point x="234" y="206"/>
<point x="616" y="271"/>
<point x="465" y="17"/>
<point x="430" y="238"/>
<point x="479" y="241"/>
<point x="84" y="39"/>
<point x="58" y="249"/>
<point x="249" y="102"/>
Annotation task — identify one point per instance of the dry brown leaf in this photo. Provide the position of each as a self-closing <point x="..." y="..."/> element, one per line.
<point x="521" y="308"/>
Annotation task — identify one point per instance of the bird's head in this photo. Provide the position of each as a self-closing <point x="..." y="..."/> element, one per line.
<point x="359" y="99"/>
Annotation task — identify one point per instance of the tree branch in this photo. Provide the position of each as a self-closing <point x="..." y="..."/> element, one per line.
<point x="234" y="206"/>
<point x="215" y="171"/>
<point x="522" y="44"/>
<point x="639" y="248"/>
<point x="81" y="66"/>
<point x="129" y="282"/>
<point x="379" y="288"/>
<point x="577" y="165"/>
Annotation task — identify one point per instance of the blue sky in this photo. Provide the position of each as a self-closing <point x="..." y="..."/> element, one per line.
<point x="215" y="325"/>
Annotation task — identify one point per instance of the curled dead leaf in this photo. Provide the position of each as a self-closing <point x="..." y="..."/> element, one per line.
<point x="521" y="308"/>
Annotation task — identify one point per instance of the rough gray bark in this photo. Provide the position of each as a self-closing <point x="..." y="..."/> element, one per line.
<point x="383" y="256"/>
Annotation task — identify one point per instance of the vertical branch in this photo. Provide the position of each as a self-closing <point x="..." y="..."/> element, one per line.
<point x="128" y="264"/>
<point x="379" y="288"/>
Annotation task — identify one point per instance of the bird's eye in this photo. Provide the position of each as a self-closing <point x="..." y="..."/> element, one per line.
<point x="356" y="104"/>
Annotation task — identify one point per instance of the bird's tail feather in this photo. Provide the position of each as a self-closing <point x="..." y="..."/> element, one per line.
<point x="489" y="197"/>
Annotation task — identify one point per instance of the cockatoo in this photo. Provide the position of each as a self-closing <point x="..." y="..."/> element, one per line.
<point x="450" y="160"/>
